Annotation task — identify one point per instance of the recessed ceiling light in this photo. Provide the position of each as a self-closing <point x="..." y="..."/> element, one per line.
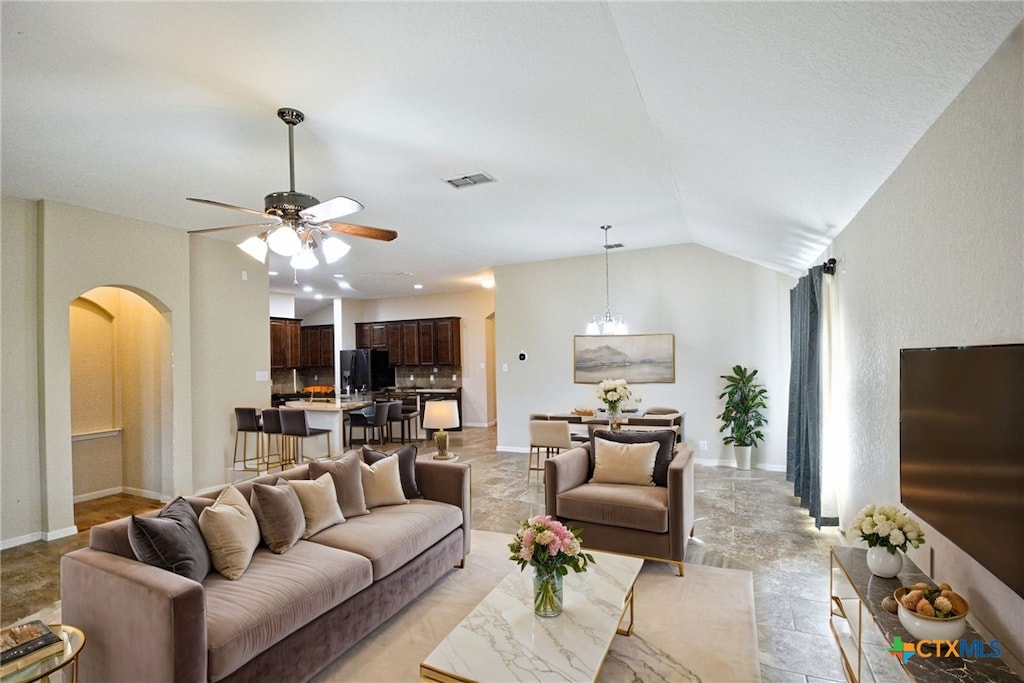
<point x="272" y="272"/>
<point x="338" y="275"/>
<point x="417" y="286"/>
<point x="307" y="288"/>
<point x="318" y="296"/>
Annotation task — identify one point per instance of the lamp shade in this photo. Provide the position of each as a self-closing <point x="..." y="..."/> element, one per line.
<point x="284" y="241"/>
<point x="304" y="259"/>
<point x="440" y="414"/>
<point x="255" y="247"/>
<point x="333" y="249"/>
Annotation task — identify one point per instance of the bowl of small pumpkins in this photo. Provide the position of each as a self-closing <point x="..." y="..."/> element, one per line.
<point x="932" y="612"/>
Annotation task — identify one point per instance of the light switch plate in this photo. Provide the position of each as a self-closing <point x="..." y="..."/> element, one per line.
<point x="262" y="376"/>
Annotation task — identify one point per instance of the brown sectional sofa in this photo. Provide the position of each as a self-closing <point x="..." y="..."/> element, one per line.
<point x="288" y="616"/>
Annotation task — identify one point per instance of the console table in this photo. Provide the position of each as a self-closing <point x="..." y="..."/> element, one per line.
<point x="864" y="631"/>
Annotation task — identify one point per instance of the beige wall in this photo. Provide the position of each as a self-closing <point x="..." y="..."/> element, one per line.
<point x="722" y="311"/>
<point x="20" y="461"/>
<point x="936" y="258"/>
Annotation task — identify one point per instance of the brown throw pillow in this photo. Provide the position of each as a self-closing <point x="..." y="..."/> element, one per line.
<point x="171" y="540"/>
<point x="348" y="482"/>
<point x="279" y="514"/>
<point x="666" y="439"/>
<point x="319" y="501"/>
<point x="231" y="532"/>
<point x="406" y="466"/>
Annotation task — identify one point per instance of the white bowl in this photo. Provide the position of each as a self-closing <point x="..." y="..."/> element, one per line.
<point x="930" y="628"/>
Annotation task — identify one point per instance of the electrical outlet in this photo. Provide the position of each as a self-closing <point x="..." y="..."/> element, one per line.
<point x="454" y="378"/>
<point x="703" y="445"/>
<point x="504" y="367"/>
<point x="245" y="275"/>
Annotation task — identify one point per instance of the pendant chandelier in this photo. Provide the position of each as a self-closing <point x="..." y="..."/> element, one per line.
<point x="607" y="322"/>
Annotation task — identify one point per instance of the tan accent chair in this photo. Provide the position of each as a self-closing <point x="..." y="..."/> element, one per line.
<point x="652" y="522"/>
<point x="550" y="435"/>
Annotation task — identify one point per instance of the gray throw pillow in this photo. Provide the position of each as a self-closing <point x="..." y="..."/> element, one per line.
<point x="279" y="514"/>
<point x="171" y="540"/>
<point x="406" y="467"/>
<point x="348" y="482"/>
<point x="666" y="439"/>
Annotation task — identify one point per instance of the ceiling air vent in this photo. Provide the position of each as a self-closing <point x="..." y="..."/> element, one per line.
<point x="470" y="180"/>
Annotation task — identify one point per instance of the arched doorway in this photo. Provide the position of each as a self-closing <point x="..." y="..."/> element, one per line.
<point x="121" y="416"/>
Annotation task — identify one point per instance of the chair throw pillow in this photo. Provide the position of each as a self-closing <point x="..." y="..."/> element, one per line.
<point x="348" y="482"/>
<point x="231" y="532"/>
<point x="624" y="463"/>
<point x="666" y="439"/>
<point x="319" y="501"/>
<point x="406" y="466"/>
<point x="171" y="540"/>
<point x="279" y="514"/>
<point x="381" y="483"/>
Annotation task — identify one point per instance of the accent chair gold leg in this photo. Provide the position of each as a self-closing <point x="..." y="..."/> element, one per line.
<point x="461" y="564"/>
<point x="679" y="566"/>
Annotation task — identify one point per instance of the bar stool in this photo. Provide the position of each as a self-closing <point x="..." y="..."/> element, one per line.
<point x="246" y="423"/>
<point x="552" y="436"/>
<point x="272" y="426"/>
<point x="295" y="426"/>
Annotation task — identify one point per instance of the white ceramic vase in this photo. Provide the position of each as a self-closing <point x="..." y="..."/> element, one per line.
<point x="742" y="455"/>
<point x="883" y="563"/>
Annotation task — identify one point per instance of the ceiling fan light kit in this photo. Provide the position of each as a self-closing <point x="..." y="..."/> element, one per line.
<point x="299" y="225"/>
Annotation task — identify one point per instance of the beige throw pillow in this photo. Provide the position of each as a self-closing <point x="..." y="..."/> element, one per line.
<point x="624" y="463"/>
<point x="348" y="482"/>
<point x="382" y="483"/>
<point x="279" y="514"/>
<point x="231" y="532"/>
<point x="319" y="501"/>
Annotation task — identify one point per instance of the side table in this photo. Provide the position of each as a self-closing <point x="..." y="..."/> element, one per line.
<point x="74" y="639"/>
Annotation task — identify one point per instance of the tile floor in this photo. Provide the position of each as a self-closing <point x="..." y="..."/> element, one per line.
<point x="745" y="520"/>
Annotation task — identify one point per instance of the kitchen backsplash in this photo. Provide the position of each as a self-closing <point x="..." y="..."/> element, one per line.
<point x="419" y="376"/>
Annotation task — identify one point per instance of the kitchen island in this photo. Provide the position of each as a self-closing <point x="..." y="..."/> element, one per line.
<point x="330" y="414"/>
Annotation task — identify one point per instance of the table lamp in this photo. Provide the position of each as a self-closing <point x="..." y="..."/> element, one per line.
<point x="438" y="415"/>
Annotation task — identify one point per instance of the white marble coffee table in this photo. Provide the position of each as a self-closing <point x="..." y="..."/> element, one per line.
<point x="502" y="639"/>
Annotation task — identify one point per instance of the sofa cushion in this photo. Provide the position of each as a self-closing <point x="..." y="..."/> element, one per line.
<point x="277" y="595"/>
<point x="348" y="482"/>
<point x="623" y="505"/>
<point x="171" y="540"/>
<point x="279" y="514"/>
<point x="406" y="466"/>
<point x="382" y="484"/>
<point x="319" y="501"/>
<point x="391" y="536"/>
<point x="665" y="438"/>
<point x="231" y="532"/>
<point x="624" y="463"/>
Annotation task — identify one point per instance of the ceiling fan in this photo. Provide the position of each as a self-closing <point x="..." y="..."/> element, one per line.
<point x="298" y="225"/>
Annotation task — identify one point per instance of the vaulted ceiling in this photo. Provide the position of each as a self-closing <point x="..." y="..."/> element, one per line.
<point x="757" y="129"/>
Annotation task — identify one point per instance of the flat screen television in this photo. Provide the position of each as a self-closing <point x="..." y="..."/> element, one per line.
<point x="962" y="450"/>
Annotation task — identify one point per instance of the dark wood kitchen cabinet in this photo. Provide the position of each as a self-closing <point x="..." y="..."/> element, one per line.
<point x="426" y="336"/>
<point x="410" y="343"/>
<point x="285" y="343"/>
<point x="317" y="346"/>
<point x="379" y="336"/>
<point x="364" y="335"/>
<point x="447" y="341"/>
<point x="394" y="335"/>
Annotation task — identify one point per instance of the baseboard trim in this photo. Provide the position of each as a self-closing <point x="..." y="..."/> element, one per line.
<point x="60" y="533"/>
<point x="20" y="540"/>
<point x="513" y="449"/>
<point x="144" y="493"/>
<point x="767" y="467"/>
<point x="103" y="493"/>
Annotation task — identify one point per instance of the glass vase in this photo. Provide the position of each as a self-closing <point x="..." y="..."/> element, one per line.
<point x="547" y="592"/>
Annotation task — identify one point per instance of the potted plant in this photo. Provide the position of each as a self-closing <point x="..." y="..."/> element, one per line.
<point x="742" y="416"/>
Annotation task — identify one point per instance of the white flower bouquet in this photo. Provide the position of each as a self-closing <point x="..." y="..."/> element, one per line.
<point x="887" y="526"/>
<point x="612" y="392"/>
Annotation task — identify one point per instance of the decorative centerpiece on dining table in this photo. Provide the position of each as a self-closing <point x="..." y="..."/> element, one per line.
<point x="888" y="531"/>
<point x="612" y="393"/>
<point x="551" y="549"/>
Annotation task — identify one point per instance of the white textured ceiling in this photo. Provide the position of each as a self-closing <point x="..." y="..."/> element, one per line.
<point x="756" y="129"/>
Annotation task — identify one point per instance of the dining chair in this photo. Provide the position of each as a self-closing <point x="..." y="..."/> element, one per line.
<point x="295" y="425"/>
<point x="550" y="435"/>
<point x="271" y="427"/>
<point x="371" y="419"/>
<point x="247" y="422"/>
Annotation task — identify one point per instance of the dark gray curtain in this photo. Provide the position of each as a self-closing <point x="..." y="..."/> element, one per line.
<point x="803" y="449"/>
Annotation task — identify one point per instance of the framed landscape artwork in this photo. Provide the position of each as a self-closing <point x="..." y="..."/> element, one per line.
<point x="636" y="358"/>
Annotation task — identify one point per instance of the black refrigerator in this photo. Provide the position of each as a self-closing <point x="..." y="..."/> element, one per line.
<point x="366" y="369"/>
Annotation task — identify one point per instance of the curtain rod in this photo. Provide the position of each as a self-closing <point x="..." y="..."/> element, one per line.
<point x="829" y="267"/>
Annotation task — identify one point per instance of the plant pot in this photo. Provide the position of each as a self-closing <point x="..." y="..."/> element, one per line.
<point x="742" y="455"/>
<point x="883" y="563"/>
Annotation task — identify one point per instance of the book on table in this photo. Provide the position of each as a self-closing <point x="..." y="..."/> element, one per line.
<point x="27" y="644"/>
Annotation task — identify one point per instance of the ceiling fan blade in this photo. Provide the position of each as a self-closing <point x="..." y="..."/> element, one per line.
<point x="228" y="206"/>
<point x="236" y="227"/>
<point x="339" y="207"/>
<point x="363" y="231"/>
